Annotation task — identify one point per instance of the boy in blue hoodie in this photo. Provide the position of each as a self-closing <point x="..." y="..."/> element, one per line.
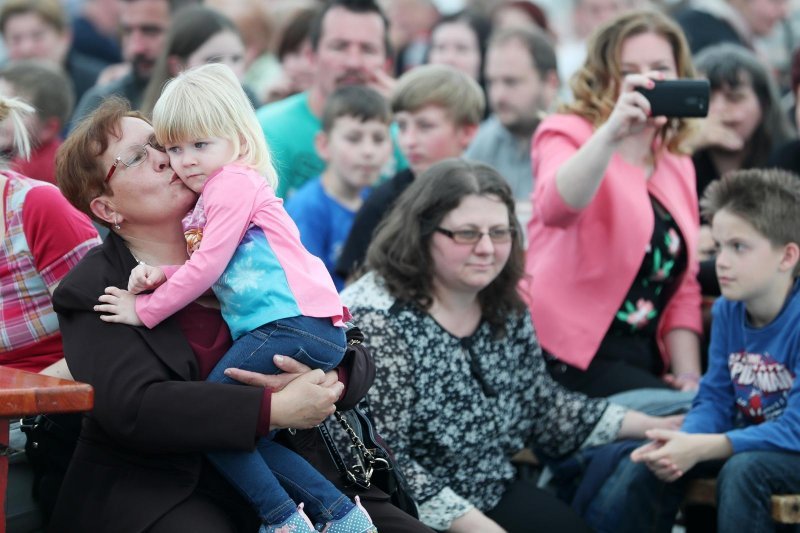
<point x="747" y="410"/>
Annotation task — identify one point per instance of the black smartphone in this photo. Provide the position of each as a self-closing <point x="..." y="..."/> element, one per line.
<point x="678" y="98"/>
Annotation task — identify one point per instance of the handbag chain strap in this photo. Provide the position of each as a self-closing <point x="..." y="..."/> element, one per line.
<point x="357" y="442"/>
<point x="356" y="474"/>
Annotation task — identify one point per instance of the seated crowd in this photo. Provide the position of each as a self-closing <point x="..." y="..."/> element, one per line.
<point x="535" y="266"/>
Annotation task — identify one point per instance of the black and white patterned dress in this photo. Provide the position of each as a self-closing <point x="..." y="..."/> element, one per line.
<point x="455" y="410"/>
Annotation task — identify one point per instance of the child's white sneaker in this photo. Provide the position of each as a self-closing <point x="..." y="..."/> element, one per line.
<point x="356" y="520"/>
<point x="297" y="522"/>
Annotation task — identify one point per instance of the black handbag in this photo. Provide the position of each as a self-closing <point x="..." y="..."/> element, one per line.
<point x="51" y="441"/>
<point x="365" y="466"/>
<point x="369" y="461"/>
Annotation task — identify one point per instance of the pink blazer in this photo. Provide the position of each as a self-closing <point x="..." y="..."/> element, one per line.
<point x="582" y="262"/>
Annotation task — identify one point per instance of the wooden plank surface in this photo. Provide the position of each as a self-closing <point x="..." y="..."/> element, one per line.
<point x="25" y="393"/>
<point x="785" y="507"/>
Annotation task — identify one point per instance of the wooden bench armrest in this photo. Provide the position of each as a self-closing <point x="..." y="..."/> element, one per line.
<point x="785" y="507"/>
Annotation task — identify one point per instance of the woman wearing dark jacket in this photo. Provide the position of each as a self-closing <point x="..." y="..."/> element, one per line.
<point x="139" y="464"/>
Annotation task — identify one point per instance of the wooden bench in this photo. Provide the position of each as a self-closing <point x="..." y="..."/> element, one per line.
<point x="25" y="393"/>
<point x="785" y="507"/>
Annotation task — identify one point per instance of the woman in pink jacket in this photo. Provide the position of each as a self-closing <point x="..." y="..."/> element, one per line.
<point x="611" y="258"/>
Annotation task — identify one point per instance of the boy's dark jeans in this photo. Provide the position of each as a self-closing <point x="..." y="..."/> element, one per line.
<point x="634" y="500"/>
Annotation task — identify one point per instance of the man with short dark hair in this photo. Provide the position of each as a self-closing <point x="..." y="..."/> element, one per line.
<point x="349" y="41"/>
<point x="143" y="26"/>
<point x="522" y="84"/>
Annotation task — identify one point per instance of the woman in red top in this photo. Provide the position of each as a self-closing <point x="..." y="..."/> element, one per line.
<point x="43" y="237"/>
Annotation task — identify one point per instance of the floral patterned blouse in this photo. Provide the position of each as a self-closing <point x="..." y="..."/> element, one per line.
<point x="455" y="410"/>
<point x="662" y="266"/>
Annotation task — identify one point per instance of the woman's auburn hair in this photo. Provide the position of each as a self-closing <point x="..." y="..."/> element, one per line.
<point x="596" y="85"/>
<point x="80" y="173"/>
<point x="400" y="251"/>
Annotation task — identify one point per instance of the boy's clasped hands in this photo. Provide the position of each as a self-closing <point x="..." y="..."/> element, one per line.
<point x="670" y="454"/>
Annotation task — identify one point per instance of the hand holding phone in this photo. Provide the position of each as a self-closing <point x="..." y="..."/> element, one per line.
<point x="678" y="98"/>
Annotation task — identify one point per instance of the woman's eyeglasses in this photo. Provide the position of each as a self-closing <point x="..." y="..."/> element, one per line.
<point x="134" y="156"/>
<point x="472" y="236"/>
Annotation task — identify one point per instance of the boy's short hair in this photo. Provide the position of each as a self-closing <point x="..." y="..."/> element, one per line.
<point x="454" y="91"/>
<point x="43" y="86"/>
<point x="356" y="101"/>
<point x="50" y="12"/>
<point x="767" y="199"/>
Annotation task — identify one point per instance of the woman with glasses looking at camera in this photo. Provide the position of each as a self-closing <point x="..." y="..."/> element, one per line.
<point x="460" y="383"/>
<point x="612" y="258"/>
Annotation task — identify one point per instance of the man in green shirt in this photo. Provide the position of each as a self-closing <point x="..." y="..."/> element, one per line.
<point x="350" y="46"/>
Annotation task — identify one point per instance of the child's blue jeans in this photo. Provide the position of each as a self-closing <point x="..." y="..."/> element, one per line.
<point x="273" y="477"/>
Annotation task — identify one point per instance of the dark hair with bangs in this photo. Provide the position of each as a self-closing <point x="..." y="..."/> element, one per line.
<point x="357" y="101"/>
<point x="400" y="251"/>
<point x="191" y="28"/>
<point x="296" y="32"/>
<point x="728" y="66"/>
<point x="767" y="199"/>
<point x="478" y="24"/>
<point x="79" y="170"/>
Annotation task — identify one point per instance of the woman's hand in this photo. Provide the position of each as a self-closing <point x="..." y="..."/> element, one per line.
<point x="474" y="520"/>
<point x="145" y="278"/>
<point x="291" y="368"/>
<point x="580" y="176"/>
<point x="715" y="133"/>
<point x="631" y="113"/>
<point x="305" y="402"/>
<point x="119" y="306"/>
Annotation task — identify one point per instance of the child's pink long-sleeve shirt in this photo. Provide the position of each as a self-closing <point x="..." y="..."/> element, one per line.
<point x="252" y="257"/>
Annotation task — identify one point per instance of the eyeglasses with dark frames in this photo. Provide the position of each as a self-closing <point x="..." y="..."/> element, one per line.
<point x="472" y="236"/>
<point x="134" y="156"/>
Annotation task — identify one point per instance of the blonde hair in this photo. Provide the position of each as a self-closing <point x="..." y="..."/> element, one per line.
<point x="15" y="110"/>
<point x="596" y="85"/>
<point x="208" y="101"/>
